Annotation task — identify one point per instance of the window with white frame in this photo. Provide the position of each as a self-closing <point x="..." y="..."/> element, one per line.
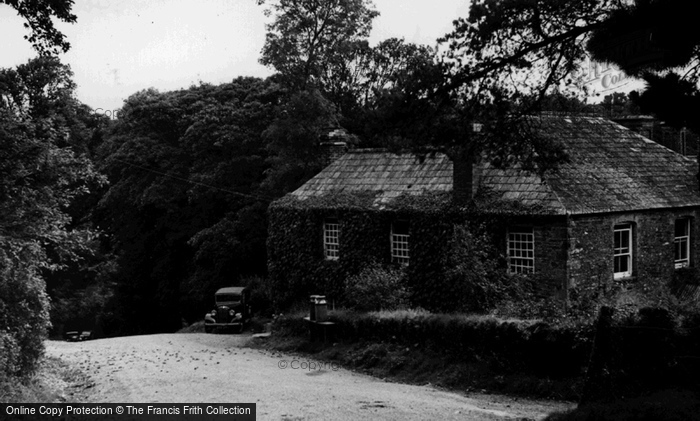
<point x="331" y="239"/>
<point x="622" y="250"/>
<point x="681" y="243"/>
<point x="399" y="242"/>
<point x="521" y="250"/>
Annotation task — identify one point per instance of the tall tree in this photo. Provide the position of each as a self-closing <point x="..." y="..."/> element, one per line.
<point x="309" y="43"/>
<point x="38" y="14"/>
<point x="41" y="175"/>
<point x="526" y="50"/>
<point x="534" y="47"/>
<point x="306" y="36"/>
<point x="184" y="209"/>
<point x="293" y="138"/>
<point x="522" y="47"/>
<point x="358" y="80"/>
<point x="655" y="40"/>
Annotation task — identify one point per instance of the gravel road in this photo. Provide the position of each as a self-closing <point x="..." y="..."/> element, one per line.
<point x="209" y="368"/>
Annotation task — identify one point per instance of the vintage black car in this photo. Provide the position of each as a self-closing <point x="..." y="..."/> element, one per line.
<point x="232" y="309"/>
<point x="77" y="335"/>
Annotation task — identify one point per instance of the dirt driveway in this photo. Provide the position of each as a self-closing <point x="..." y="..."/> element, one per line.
<point x="203" y="368"/>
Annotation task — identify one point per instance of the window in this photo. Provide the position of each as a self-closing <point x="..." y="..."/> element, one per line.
<point x="399" y="242"/>
<point x="622" y="250"/>
<point x="681" y="243"/>
<point x="521" y="250"/>
<point x="331" y="239"/>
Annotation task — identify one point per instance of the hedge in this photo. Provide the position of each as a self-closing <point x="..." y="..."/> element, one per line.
<point x="510" y="346"/>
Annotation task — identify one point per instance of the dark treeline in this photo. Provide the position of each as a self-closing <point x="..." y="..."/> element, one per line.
<point x="184" y="211"/>
<point x="189" y="174"/>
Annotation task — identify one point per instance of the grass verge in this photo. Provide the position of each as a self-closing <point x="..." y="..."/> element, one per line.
<point x="419" y="363"/>
<point x="54" y="381"/>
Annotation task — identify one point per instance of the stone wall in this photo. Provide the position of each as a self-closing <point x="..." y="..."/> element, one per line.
<point x="591" y="245"/>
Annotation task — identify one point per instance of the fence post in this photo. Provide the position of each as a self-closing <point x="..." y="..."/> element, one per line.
<point x="599" y="383"/>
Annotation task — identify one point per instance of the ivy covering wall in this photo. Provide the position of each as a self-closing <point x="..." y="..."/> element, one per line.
<point x="456" y="254"/>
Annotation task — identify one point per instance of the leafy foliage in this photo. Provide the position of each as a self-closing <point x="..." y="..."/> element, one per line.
<point x="665" y="56"/>
<point x="41" y="175"/>
<point x="185" y="209"/>
<point x="321" y="53"/>
<point x="45" y="38"/>
<point x="502" y="44"/>
<point x="293" y="137"/>
<point x="473" y="268"/>
<point x="531" y="49"/>
<point x="377" y="288"/>
<point x="662" y="30"/>
<point x="307" y="36"/>
<point x="507" y="346"/>
<point x="24" y="308"/>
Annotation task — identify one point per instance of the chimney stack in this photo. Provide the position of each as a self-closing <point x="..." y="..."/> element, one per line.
<point x="333" y="145"/>
<point x="463" y="178"/>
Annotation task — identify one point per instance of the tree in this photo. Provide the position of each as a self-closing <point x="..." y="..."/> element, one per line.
<point x="293" y="139"/>
<point x="534" y="47"/>
<point x="184" y="210"/>
<point x="654" y="40"/>
<point x="306" y="36"/>
<point x="648" y="36"/>
<point x="522" y="47"/>
<point x="41" y="175"/>
<point x="44" y="37"/>
<point x="360" y="80"/>
<point x="526" y="50"/>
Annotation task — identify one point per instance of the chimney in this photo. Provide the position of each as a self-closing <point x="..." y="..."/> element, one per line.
<point x="463" y="177"/>
<point x="333" y="145"/>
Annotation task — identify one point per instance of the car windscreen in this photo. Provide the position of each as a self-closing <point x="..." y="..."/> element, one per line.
<point x="227" y="298"/>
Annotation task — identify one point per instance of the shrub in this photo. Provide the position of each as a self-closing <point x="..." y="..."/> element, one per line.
<point x="260" y="294"/>
<point x="628" y="300"/>
<point x="473" y="270"/>
<point x="24" y="311"/>
<point x="377" y="287"/>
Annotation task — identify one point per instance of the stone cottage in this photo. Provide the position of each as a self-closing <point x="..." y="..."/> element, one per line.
<point x="622" y="208"/>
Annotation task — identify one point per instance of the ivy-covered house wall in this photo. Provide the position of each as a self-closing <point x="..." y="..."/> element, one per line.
<point x="299" y="267"/>
<point x="569" y="252"/>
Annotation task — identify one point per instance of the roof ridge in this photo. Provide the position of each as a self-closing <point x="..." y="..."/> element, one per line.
<point x="428" y="149"/>
<point x="568" y="114"/>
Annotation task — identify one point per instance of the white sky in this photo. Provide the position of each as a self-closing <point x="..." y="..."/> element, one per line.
<point x="119" y="48"/>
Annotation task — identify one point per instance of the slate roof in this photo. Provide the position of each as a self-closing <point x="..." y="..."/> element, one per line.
<point x="388" y="174"/>
<point x="610" y="169"/>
